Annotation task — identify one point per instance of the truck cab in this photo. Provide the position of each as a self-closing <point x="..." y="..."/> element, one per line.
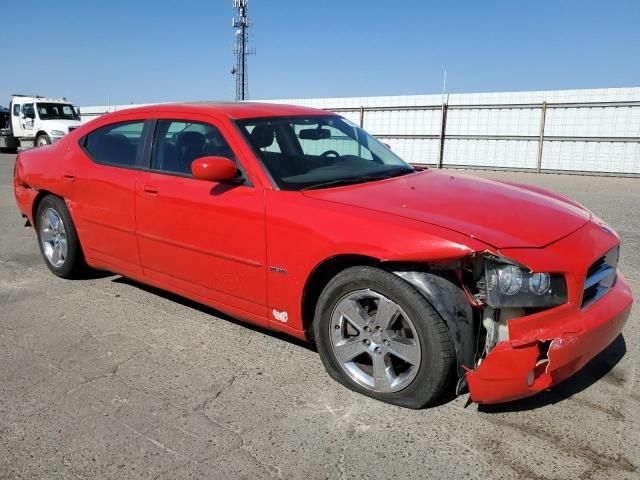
<point x="42" y="120"/>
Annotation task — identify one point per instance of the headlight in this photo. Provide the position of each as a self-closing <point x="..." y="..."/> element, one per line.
<point x="510" y="285"/>
<point x="57" y="133"/>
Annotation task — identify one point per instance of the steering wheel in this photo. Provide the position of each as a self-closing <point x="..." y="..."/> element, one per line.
<point x="330" y="152"/>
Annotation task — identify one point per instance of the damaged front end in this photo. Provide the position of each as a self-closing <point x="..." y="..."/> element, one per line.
<point x="517" y="331"/>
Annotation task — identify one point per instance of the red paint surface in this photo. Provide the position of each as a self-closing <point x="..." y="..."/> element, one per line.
<point x="214" y="242"/>
<point x="213" y="168"/>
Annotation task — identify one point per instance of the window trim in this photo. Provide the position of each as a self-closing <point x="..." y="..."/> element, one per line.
<point x="241" y="123"/>
<point x="147" y="143"/>
<point x="141" y="161"/>
<point x="240" y="130"/>
<point x="152" y="145"/>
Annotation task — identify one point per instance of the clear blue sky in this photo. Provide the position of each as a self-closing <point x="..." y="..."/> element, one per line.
<point x="148" y="51"/>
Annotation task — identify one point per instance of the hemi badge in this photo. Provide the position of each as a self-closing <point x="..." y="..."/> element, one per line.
<point x="278" y="269"/>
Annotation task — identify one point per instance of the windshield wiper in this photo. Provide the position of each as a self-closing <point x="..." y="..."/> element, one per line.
<point x="362" y="179"/>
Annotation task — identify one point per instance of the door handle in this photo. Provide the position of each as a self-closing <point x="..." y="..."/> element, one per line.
<point x="69" y="177"/>
<point x="150" y="190"/>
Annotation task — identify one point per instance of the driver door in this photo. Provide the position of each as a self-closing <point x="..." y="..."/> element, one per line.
<point x="28" y="120"/>
<point x="202" y="237"/>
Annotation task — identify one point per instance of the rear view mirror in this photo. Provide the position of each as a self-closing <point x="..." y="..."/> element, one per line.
<point x="315" y="134"/>
<point x="214" y="169"/>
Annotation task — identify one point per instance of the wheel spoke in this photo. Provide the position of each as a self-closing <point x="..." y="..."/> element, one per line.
<point x="405" y="349"/>
<point x="349" y="349"/>
<point x="63" y="247"/>
<point x="53" y="220"/>
<point x="381" y="373"/>
<point x="55" y="255"/>
<point x="387" y="313"/>
<point x="353" y="312"/>
<point x="46" y="234"/>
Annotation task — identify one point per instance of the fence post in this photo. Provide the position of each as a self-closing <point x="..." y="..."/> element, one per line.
<point x="443" y="129"/>
<point x="361" y="116"/>
<point x="543" y="116"/>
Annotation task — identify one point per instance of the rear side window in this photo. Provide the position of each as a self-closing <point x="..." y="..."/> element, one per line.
<point x="116" y="144"/>
<point x="16" y="109"/>
<point x="178" y="143"/>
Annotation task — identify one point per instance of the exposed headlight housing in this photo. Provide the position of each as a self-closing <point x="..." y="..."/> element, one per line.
<point x="57" y="133"/>
<point x="510" y="285"/>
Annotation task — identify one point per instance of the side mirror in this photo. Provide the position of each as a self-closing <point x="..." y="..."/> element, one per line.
<point x="214" y="169"/>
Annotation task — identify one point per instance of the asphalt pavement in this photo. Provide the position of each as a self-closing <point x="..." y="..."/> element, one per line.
<point x="108" y="378"/>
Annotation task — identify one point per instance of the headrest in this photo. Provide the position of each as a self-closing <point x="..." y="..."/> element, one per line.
<point x="191" y="140"/>
<point x="262" y="136"/>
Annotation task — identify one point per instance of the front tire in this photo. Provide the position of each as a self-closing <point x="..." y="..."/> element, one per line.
<point x="42" y="140"/>
<point x="377" y="335"/>
<point x="58" y="239"/>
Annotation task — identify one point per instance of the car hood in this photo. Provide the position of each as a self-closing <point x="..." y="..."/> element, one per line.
<point x="503" y="215"/>
<point x="62" y="124"/>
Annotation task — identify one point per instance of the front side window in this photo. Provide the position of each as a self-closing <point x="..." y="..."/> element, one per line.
<point x="28" y="111"/>
<point x="179" y="142"/>
<point x="116" y="144"/>
<point x="319" y="151"/>
<point x="56" y="111"/>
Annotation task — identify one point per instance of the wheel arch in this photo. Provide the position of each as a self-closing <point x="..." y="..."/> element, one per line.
<point x="444" y="291"/>
<point x="440" y="287"/>
<point x="36" y="202"/>
<point x="42" y="132"/>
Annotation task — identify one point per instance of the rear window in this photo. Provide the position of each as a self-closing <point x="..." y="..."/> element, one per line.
<point x="116" y="144"/>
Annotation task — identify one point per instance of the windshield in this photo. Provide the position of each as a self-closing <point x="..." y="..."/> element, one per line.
<point x="56" y="111"/>
<point x="319" y="152"/>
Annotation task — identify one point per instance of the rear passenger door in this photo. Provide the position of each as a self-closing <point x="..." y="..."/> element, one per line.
<point x="105" y="186"/>
<point x="205" y="238"/>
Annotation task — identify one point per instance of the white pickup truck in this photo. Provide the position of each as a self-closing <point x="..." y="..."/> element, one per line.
<point x="38" y="119"/>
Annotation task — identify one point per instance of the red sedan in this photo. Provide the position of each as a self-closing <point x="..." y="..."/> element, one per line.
<point x="297" y="220"/>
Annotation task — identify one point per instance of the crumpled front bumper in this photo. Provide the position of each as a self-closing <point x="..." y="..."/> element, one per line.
<point x="513" y="371"/>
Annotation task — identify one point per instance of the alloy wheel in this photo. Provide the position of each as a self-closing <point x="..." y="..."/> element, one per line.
<point x="375" y="341"/>
<point x="53" y="237"/>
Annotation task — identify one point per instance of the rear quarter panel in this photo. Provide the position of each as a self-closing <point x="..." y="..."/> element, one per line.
<point x="41" y="169"/>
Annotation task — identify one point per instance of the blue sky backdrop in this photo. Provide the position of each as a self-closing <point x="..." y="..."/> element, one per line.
<point x="148" y="51"/>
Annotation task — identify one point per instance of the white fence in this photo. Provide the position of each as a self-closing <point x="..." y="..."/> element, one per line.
<point x="574" y="131"/>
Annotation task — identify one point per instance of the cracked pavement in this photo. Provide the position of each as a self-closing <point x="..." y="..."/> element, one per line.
<point x="107" y="378"/>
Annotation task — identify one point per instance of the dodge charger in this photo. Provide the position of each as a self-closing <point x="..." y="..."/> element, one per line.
<point x="408" y="280"/>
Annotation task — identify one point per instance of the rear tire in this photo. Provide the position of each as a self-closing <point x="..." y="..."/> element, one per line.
<point x="42" y="140"/>
<point x="413" y="349"/>
<point x="58" y="239"/>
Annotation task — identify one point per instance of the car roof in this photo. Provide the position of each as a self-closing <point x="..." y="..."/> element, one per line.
<point x="234" y="110"/>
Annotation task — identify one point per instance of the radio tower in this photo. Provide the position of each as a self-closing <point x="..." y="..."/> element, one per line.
<point x="241" y="51"/>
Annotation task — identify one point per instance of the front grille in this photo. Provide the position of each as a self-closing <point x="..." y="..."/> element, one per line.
<point x="600" y="277"/>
